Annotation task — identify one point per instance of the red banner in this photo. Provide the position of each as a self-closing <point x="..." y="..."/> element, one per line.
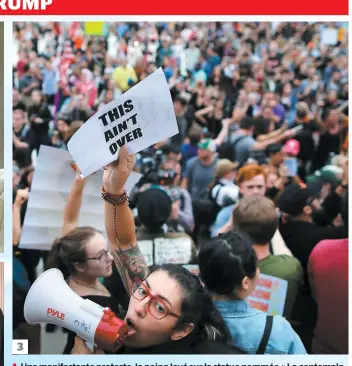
<point x="181" y="7"/>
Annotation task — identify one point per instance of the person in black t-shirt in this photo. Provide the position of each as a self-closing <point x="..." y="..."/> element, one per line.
<point x="305" y="137"/>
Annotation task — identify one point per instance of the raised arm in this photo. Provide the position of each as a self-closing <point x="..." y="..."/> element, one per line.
<point x="272" y="134"/>
<point x="119" y="221"/>
<point x="73" y="204"/>
<point x="18" y="143"/>
<point x="21" y="197"/>
<point x="262" y="145"/>
<point x="203" y="112"/>
<point x="224" y="131"/>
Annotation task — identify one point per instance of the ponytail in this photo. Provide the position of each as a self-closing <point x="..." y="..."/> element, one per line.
<point x="57" y="259"/>
<point x="215" y="327"/>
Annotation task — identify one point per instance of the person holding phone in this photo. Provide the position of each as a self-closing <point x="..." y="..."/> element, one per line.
<point x="288" y="170"/>
<point x="291" y="150"/>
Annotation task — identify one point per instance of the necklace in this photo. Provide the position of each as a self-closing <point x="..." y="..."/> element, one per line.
<point x="93" y="287"/>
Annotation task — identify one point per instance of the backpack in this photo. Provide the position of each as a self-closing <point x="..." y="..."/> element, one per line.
<point x="215" y="207"/>
<point x="227" y="150"/>
<point x="206" y="209"/>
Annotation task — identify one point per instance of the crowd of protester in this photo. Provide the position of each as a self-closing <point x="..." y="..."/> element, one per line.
<point x="256" y="180"/>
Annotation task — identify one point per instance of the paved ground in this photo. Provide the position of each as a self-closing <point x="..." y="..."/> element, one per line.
<point x="52" y="343"/>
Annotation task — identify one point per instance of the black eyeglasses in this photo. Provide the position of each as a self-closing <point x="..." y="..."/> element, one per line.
<point x="102" y="257"/>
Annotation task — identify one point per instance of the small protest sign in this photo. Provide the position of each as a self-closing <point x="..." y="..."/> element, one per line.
<point x="329" y="37"/>
<point x="173" y="250"/>
<point x="94" y="28"/>
<point x="166" y="250"/>
<point x="52" y="182"/>
<point x="141" y="117"/>
<point x="269" y="295"/>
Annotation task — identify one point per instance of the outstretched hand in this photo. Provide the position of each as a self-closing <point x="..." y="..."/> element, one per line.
<point x="117" y="173"/>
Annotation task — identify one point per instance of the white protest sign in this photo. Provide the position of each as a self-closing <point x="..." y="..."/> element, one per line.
<point x="329" y="37"/>
<point x="52" y="182"/>
<point x="146" y="248"/>
<point x="166" y="250"/>
<point x="141" y="117"/>
<point x="269" y="295"/>
<point x="173" y="250"/>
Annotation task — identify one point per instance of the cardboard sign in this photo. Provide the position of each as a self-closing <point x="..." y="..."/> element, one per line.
<point x="173" y="250"/>
<point x="52" y="181"/>
<point x="269" y="295"/>
<point x="166" y="250"/>
<point x="141" y="117"/>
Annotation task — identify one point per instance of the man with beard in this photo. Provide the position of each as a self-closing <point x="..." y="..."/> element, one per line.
<point x="299" y="206"/>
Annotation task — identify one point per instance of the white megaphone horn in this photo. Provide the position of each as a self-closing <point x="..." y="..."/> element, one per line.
<point x="51" y="300"/>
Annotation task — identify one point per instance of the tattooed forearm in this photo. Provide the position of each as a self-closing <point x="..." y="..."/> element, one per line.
<point x="134" y="263"/>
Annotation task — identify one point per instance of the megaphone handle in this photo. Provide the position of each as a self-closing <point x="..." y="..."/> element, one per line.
<point x="90" y="346"/>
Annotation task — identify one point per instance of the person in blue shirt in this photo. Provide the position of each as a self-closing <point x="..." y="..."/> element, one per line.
<point x="229" y="269"/>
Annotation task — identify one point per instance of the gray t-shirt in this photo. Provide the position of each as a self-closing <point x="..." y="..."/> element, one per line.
<point x="199" y="177"/>
<point x="243" y="147"/>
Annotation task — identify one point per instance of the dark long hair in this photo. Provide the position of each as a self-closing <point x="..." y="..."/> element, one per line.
<point x="225" y="260"/>
<point x="69" y="249"/>
<point x="197" y="305"/>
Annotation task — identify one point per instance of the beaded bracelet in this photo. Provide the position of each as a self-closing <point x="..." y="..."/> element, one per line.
<point x="114" y="200"/>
